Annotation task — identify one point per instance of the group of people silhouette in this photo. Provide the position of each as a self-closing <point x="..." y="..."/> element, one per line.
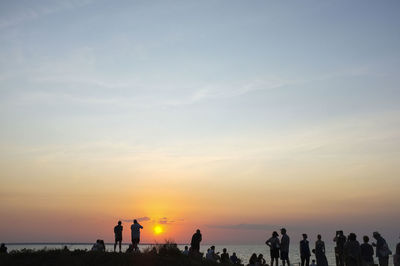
<point x="348" y="251"/>
<point x="135" y="235"/>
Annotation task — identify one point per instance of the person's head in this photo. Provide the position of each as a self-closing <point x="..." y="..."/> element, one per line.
<point x="319" y="237"/>
<point x="135" y="221"/>
<point x="186" y="247"/>
<point x="313" y="261"/>
<point x="376" y="235"/>
<point x="234" y="254"/>
<point x="212" y="247"/>
<point x="260" y="256"/>
<point x="283" y="231"/>
<point x="198" y="231"/>
<point x="224" y="250"/>
<point x="253" y="256"/>
<point x="274" y="234"/>
<point x="119" y="222"/>
<point x="352" y="237"/>
<point x="304" y="236"/>
<point x="366" y="239"/>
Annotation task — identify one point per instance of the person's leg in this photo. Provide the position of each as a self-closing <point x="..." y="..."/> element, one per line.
<point x="383" y="261"/>
<point x="120" y="245"/>
<point x="341" y="258"/>
<point x="115" y="244"/>
<point x="303" y="260"/>
<point x="307" y="261"/>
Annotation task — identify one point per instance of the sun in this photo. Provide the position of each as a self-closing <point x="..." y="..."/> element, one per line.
<point x="158" y="229"/>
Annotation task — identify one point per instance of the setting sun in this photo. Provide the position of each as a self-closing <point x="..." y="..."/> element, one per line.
<point x="158" y="230"/>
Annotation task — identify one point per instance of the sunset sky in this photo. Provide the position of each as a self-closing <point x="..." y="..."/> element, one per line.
<point x="235" y="117"/>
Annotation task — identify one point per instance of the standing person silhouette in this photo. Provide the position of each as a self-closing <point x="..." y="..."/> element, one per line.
<point x="396" y="256"/>
<point x="367" y="253"/>
<point x="285" y="241"/>
<point x="320" y="252"/>
<point x="352" y="251"/>
<point x="196" y="239"/>
<point x="274" y="246"/>
<point x="135" y="233"/>
<point x="340" y="239"/>
<point x="305" y="253"/>
<point x="118" y="235"/>
<point x="382" y="249"/>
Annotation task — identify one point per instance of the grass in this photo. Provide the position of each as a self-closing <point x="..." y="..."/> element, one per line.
<point x="167" y="255"/>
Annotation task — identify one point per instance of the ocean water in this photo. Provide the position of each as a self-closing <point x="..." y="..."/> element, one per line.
<point x="242" y="251"/>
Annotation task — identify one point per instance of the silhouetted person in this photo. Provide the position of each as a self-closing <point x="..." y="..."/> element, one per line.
<point x="352" y="251"/>
<point x="130" y="249"/>
<point x="260" y="259"/>
<point x="224" y="256"/>
<point x="340" y="239"/>
<point x="396" y="256"/>
<point x="186" y="251"/>
<point x="118" y="235"/>
<point x="305" y="253"/>
<point x="153" y="251"/>
<point x="274" y="246"/>
<point x="367" y="253"/>
<point x="196" y="239"/>
<point x="285" y="241"/>
<point x="253" y="260"/>
<point x="313" y="263"/>
<point x="135" y="233"/>
<point x="212" y="255"/>
<point x="382" y="249"/>
<point x="3" y="248"/>
<point x="320" y="252"/>
<point x="234" y="259"/>
<point x="99" y="246"/>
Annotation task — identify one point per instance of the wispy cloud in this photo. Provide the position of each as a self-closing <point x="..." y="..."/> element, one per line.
<point x="140" y="219"/>
<point x="166" y="220"/>
<point x="163" y="220"/>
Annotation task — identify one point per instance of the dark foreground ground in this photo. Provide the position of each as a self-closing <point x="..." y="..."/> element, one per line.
<point x="81" y="257"/>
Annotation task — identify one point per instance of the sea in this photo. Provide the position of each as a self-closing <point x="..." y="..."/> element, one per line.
<point x="242" y="251"/>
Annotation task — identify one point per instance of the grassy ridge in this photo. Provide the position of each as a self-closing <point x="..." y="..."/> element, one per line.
<point x="88" y="258"/>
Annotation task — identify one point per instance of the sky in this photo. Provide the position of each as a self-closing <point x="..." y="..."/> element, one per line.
<point x="234" y="117"/>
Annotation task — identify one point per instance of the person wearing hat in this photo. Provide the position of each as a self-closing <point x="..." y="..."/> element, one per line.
<point x="305" y="253"/>
<point x="274" y="245"/>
